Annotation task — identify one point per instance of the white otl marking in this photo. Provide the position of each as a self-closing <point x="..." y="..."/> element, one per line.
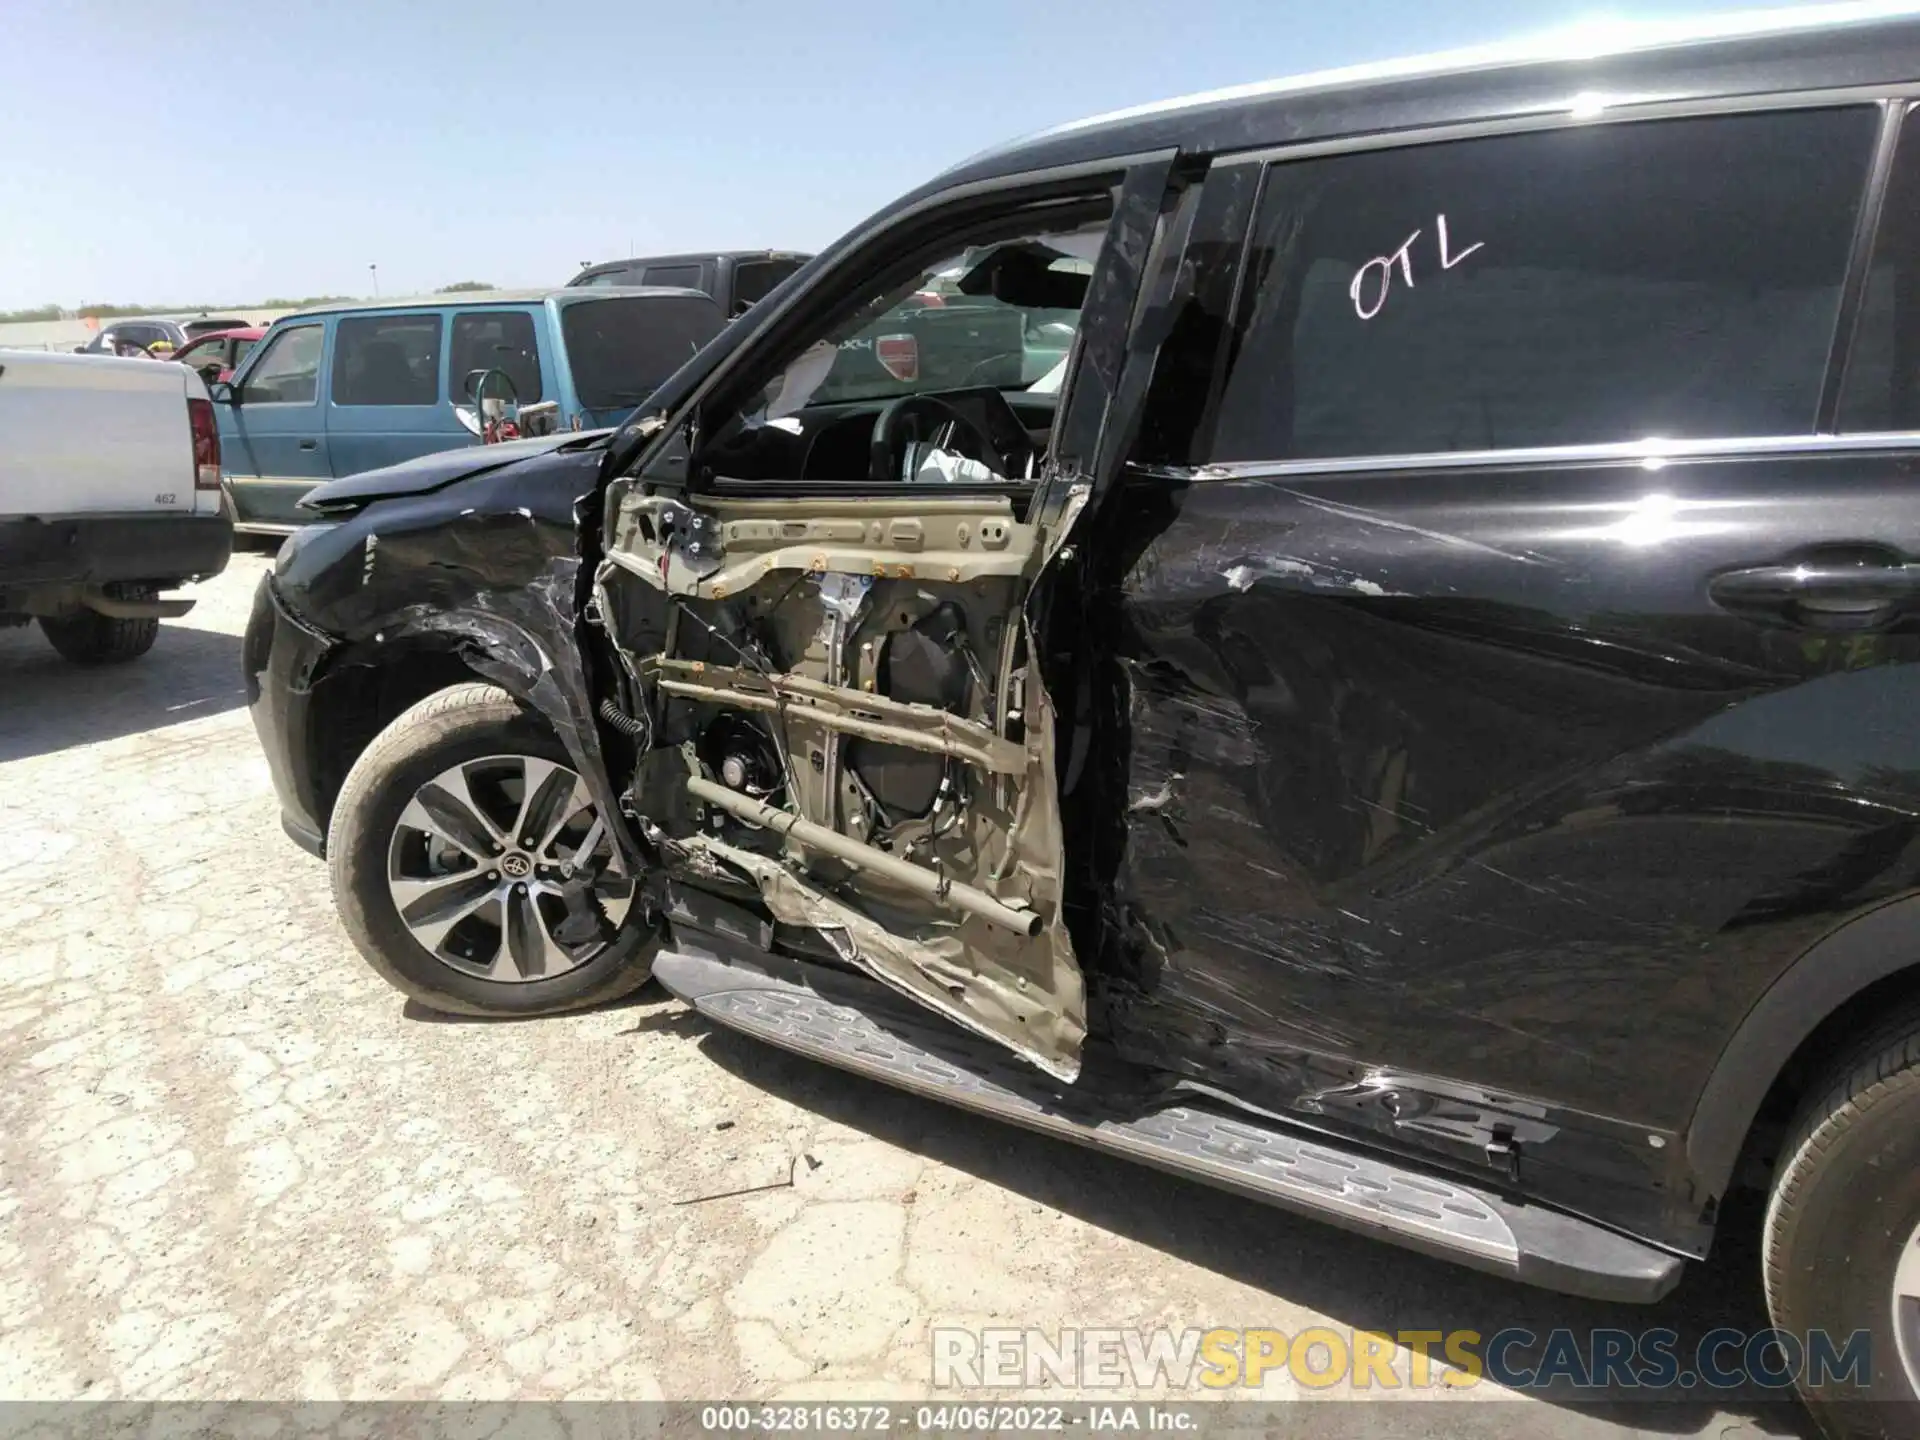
<point x="1403" y="257"/>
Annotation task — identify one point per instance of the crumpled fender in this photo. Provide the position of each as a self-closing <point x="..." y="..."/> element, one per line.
<point x="426" y="473"/>
<point x="523" y="641"/>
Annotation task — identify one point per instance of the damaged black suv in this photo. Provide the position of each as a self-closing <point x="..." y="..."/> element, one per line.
<point x="1370" y="657"/>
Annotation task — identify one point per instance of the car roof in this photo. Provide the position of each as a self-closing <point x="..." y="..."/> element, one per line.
<point x="474" y="299"/>
<point x="692" y="257"/>
<point x="1863" y="44"/>
<point x="236" y="332"/>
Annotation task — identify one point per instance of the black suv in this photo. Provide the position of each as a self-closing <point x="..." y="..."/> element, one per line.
<point x="1415" y="718"/>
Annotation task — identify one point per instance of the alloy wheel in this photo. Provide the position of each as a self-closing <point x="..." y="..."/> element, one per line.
<point x="1906" y="1308"/>
<point x="503" y="868"/>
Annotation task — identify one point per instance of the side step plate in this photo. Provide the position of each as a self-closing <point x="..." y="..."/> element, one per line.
<point x="851" y="1022"/>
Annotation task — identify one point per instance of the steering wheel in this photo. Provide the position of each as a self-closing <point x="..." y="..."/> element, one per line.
<point x="902" y="422"/>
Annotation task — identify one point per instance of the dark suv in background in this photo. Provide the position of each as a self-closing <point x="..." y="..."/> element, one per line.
<point x="737" y="279"/>
<point x="1415" y="719"/>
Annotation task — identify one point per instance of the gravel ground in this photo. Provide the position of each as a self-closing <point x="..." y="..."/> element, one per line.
<point x="234" y="1165"/>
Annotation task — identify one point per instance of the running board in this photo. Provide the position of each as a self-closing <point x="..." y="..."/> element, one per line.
<point x="856" y="1024"/>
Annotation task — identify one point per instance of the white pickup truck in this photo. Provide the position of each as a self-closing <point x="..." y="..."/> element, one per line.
<point x="109" y="494"/>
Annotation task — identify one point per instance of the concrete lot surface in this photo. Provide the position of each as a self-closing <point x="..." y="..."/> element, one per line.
<point x="234" y="1165"/>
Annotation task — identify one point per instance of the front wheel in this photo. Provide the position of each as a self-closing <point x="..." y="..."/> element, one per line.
<point x="1842" y="1245"/>
<point x="473" y="869"/>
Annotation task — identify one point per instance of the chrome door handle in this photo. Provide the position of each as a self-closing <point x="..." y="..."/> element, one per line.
<point x="1821" y="594"/>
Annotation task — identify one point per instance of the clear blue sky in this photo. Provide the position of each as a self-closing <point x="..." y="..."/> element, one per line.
<point x="210" y="152"/>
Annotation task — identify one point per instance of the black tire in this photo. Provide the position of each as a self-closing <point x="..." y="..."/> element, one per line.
<point x="1845" y="1204"/>
<point x="465" y="722"/>
<point x="90" y="638"/>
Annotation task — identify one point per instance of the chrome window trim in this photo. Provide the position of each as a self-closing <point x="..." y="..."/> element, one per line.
<point x="1650" y="454"/>
<point x="1583" y="108"/>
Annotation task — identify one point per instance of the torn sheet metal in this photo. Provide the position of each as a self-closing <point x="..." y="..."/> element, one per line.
<point x="523" y="641"/>
<point x="1025" y="991"/>
<point x="938" y="970"/>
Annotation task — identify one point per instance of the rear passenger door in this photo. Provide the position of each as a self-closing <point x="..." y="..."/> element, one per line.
<point x="1517" y="668"/>
<point x="386" y="403"/>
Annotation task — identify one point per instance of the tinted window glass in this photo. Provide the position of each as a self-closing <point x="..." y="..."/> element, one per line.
<point x="1883" y="375"/>
<point x="753" y="279"/>
<point x="495" y="340"/>
<point x="1601" y="283"/>
<point x="288" y="374"/>
<point x="686" y="275"/>
<point x="242" y="349"/>
<point x="387" y="360"/>
<point x="621" y="349"/>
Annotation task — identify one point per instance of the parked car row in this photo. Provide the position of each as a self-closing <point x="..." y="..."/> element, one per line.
<point x="159" y="338"/>
<point x="1355" y="641"/>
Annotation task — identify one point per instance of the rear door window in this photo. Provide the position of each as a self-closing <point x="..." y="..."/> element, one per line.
<point x="387" y="360"/>
<point x="752" y="279"/>
<point x="1600" y="283"/>
<point x="686" y="276"/>
<point x="289" y="373"/>
<point x="621" y="348"/>
<point x="495" y="340"/>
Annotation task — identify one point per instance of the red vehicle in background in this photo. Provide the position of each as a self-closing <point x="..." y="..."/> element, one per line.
<point x="216" y="355"/>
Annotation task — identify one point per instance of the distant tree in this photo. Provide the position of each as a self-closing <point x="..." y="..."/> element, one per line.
<point x="283" y="302"/>
<point x="460" y="285"/>
<point x="105" y="312"/>
<point x="111" y="311"/>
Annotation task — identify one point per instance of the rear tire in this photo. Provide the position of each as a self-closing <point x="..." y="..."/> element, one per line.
<point x="1842" y="1220"/>
<point x="464" y="725"/>
<point x="90" y="638"/>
